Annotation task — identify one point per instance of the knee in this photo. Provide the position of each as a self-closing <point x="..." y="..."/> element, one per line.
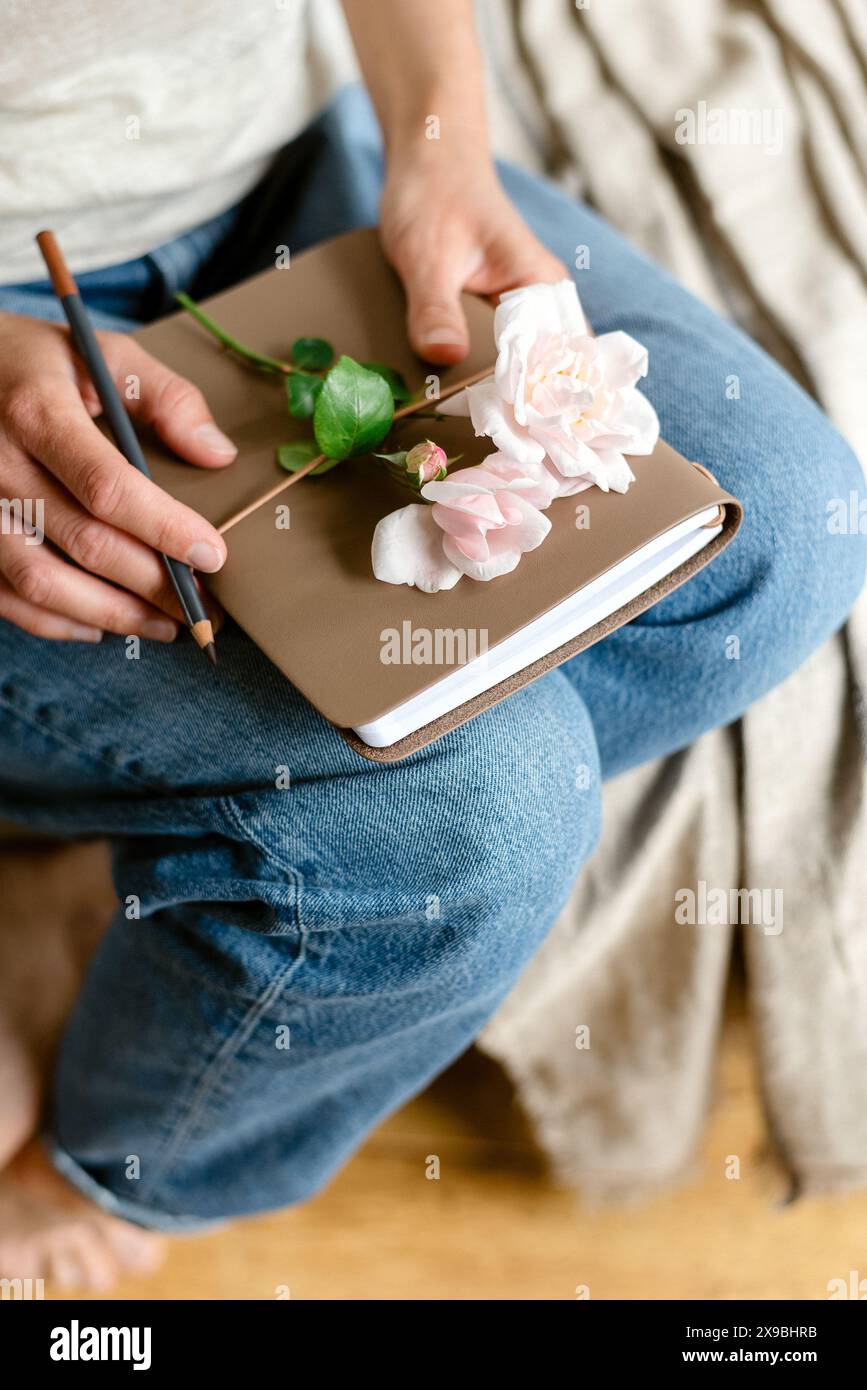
<point x="450" y="864"/>
<point x="805" y="542"/>
<point x="520" y="787"/>
<point x="466" y="849"/>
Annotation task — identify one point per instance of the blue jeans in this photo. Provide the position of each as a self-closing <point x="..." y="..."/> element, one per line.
<point x="288" y="966"/>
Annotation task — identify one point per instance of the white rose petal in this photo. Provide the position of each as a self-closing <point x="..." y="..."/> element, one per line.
<point x="407" y="548"/>
<point x="536" y="310"/>
<point x="567" y="487"/>
<point x="522" y="319"/>
<point x="571" y="456"/>
<point x="611" y="472"/>
<point x="494" y="417"/>
<point x="640" y="422"/>
<point x="624" y="357"/>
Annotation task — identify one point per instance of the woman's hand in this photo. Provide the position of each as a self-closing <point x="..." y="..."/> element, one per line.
<point x="98" y="510"/>
<point x="447" y="226"/>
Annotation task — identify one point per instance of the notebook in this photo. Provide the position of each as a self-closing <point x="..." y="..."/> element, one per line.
<point x="390" y="667"/>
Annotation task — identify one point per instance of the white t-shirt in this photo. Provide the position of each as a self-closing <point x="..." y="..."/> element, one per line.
<point x="124" y="123"/>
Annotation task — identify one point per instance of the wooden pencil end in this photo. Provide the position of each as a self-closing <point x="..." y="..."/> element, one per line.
<point x="61" y="276"/>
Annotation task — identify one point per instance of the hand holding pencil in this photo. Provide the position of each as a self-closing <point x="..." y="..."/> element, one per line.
<point x="105" y="524"/>
<point x="180" y="574"/>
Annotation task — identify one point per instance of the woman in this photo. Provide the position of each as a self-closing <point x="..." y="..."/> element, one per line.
<point x="155" y="144"/>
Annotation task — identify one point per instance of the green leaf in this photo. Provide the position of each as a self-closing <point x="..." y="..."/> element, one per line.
<point x="314" y="354"/>
<point x="301" y="392"/>
<point x="294" y="456"/>
<point x="399" y="458"/>
<point x="396" y="384"/>
<point x="354" y="410"/>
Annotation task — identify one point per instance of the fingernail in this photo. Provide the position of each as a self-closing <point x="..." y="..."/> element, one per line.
<point x="443" y="335"/>
<point x="215" y="440"/>
<point x="159" y="629"/>
<point x="80" y="632"/>
<point x="206" y="557"/>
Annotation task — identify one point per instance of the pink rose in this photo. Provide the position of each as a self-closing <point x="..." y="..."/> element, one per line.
<point x="482" y="521"/>
<point x="563" y="411"/>
<point x="559" y="395"/>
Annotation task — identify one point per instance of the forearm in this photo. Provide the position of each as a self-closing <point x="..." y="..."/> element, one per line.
<point x="445" y="223"/>
<point x="423" y="68"/>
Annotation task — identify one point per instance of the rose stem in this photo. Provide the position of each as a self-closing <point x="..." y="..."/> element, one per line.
<point x="270" y="363"/>
<point x="275" y="491"/>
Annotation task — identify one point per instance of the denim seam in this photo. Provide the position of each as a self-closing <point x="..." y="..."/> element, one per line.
<point x="235" y="820"/>
<point x="80" y="748"/>
<point x="215" y="1069"/>
<point x="190" y="977"/>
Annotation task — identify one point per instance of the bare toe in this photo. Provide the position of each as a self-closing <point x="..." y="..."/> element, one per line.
<point x="136" y="1250"/>
<point x="49" y="1230"/>
<point x="87" y="1256"/>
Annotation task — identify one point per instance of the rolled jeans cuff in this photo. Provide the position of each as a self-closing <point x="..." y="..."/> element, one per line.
<point x="112" y="1205"/>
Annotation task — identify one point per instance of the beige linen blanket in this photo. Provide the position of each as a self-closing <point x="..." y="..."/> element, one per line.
<point x="590" y="93"/>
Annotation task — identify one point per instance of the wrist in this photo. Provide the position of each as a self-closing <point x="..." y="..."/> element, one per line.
<point x="460" y="155"/>
<point x="437" y="125"/>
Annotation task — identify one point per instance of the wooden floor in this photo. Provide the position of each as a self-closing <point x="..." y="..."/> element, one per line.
<point x="493" y="1226"/>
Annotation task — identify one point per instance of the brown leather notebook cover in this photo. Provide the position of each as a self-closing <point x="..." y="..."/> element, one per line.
<point x="307" y="594"/>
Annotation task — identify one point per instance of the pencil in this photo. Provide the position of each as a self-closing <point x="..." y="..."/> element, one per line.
<point x="84" y="338"/>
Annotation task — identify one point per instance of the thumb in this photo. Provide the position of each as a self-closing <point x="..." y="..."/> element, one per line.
<point x="177" y="410"/>
<point x="435" y="320"/>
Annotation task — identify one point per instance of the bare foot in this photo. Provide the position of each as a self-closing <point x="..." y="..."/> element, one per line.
<point x="56" y="905"/>
<point x="48" y="1230"/>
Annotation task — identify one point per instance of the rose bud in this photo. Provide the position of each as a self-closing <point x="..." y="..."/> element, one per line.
<point x="427" y="462"/>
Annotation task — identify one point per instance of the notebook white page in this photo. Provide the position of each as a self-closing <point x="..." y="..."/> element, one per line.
<point x="601" y="597"/>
